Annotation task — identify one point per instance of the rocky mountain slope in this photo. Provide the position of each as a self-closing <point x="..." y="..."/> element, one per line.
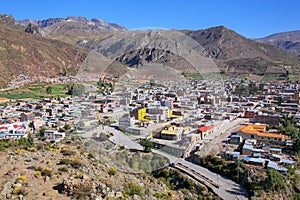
<point x="289" y="41"/>
<point x="33" y="56"/>
<point x="72" y="29"/>
<point x="232" y="53"/>
<point x="241" y="55"/>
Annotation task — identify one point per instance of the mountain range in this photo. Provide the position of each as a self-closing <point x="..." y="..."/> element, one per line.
<point x="72" y="29"/>
<point x="289" y="41"/>
<point x="236" y="54"/>
<point x="58" y="46"/>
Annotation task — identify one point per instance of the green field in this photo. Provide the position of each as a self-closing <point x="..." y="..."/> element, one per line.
<point x="36" y="91"/>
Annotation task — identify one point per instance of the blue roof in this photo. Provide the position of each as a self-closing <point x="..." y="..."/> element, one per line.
<point x="272" y="165"/>
<point x="276" y="156"/>
<point x="256" y="155"/>
<point x="286" y="161"/>
<point x="275" y="149"/>
<point x="281" y="169"/>
<point x="247" y="146"/>
<point x="255" y="160"/>
<point x="247" y="142"/>
<point x="247" y="158"/>
<point x="258" y="150"/>
<point x="236" y="136"/>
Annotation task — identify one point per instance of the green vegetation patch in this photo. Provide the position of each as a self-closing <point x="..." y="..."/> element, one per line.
<point x="139" y="161"/>
<point x="36" y="91"/>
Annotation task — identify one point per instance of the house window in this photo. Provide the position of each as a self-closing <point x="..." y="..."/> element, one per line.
<point x="252" y="136"/>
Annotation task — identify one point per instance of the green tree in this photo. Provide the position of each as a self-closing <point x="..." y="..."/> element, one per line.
<point x="67" y="127"/>
<point x="49" y="90"/>
<point x="30" y="140"/>
<point x="289" y="127"/>
<point x="296" y="146"/>
<point x="261" y="87"/>
<point x="240" y="89"/>
<point x="42" y="131"/>
<point x="76" y="89"/>
<point x="152" y="82"/>
<point x="148" y="145"/>
<point x="275" y="181"/>
<point x="252" y="88"/>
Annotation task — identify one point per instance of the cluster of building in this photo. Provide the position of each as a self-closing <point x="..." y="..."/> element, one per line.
<point x="19" y="119"/>
<point x="178" y="116"/>
<point x="259" y="147"/>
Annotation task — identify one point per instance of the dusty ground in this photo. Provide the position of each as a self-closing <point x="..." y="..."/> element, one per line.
<point x="35" y="174"/>
<point x="16" y="163"/>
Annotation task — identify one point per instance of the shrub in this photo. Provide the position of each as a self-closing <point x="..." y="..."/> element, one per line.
<point x="63" y="169"/>
<point x="22" y="178"/>
<point x="18" y="190"/>
<point x="46" y="172"/>
<point x="122" y="147"/>
<point x="38" y="173"/>
<point x="67" y="152"/>
<point x="79" y="176"/>
<point x="75" y="163"/>
<point x="82" y="191"/>
<point x="112" y="171"/>
<point x="133" y="189"/>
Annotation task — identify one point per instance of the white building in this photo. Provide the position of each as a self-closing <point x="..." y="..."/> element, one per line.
<point x="53" y="135"/>
<point x="13" y="131"/>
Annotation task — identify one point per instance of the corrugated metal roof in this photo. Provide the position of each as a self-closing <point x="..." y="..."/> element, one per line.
<point x="276" y="156"/>
<point x="247" y="146"/>
<point x="286" y="161"/>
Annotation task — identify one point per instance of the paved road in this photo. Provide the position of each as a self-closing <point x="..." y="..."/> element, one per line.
<point x="227" y="188"/>
<point x="219" y="133"/>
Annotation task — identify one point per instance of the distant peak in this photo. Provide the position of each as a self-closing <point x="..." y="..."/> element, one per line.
<point x="221" y="27"/>
<point x="77" y="18"/>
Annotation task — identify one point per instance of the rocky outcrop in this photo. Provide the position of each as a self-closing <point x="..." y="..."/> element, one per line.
<point x="32" y="29"/>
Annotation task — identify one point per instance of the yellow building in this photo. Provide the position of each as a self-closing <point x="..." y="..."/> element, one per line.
<point x="141" y="114"/>
<point x="171" y="133"/>
<point x="170" y="113"/>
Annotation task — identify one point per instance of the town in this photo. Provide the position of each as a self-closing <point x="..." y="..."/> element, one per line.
<point x="254" y="122"/>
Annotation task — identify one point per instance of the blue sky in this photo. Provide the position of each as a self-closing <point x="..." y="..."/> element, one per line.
<point x="251" y="18"/>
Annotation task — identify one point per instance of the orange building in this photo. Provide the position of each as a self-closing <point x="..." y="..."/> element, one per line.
<point x="3" y="100"/>
<point x="258" y="132"/>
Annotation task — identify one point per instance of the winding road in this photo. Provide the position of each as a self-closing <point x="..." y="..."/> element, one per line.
<point x="227" y="189"/>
